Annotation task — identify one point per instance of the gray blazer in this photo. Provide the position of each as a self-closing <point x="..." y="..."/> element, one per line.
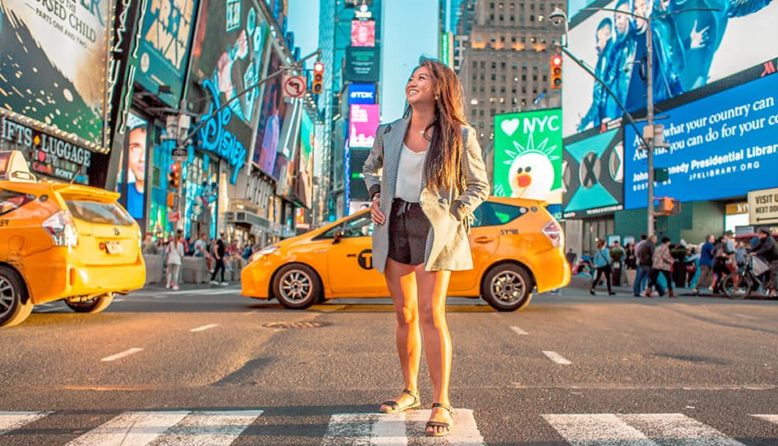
<point x="447" y="247"/>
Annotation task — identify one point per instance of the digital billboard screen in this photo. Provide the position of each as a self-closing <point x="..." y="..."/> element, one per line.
<point x="528" y="155"/>
<point x="271" y="119"/>
<point x="593" y="174"/>
<point x="363" y="33"/>
<point x="362" y="64"/>
<point x="694" y="45"/>
<point x="165" y="35"/>
<point x="132" y="179"/>
<point x="363" y="123"/>
<point x="304" y="177"/>
<point x="720" y="146"/>
<point x="53" y="60"/>
<point x="361" y="94"/>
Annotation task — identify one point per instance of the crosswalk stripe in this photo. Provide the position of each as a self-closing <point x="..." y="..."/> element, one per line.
<point x="463" y="433"/>
<point x="10" y="421"/>
<point x="349" y="429"/>
<point x="770" y="418"/>
<point x="217" y="428"/>
<point x="131" y="429"/>
<point x="597" y="430"/>
<point x="677" y="429"/>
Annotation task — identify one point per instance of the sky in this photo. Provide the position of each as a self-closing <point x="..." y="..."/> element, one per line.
<point x="303" y="20"/>
<point x="405" y="36"/>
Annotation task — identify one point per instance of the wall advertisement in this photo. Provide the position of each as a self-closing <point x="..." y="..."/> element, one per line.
<point x="720" y="146"/>
<point x="165" y="35"/>
<point x="363" y="33"/>
<point x="361" y="94"/>
<point x="528" y="155"/>
<point x="363" y="123"/>
<point x="53" y="56"/>
<point x="132" y="179"/>
<point x="287" y="156"/>
<point x="696" y="42"/>
<point x="271" y="119"/>
<point x="227" y="55"/>
<point x="593" y="174"/>
<point x="362" y="64"/>
<point x="305" y="161"/>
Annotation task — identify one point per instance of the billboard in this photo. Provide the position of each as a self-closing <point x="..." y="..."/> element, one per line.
<point x="362" y="64"/>
<point x="54" y="64"/>
<point x="362" y="123"/>
<point x="356" y="181"/>
<point x="693" y="46"/>
<point x="304" y="177"/>
<point x="363" y="33"/>
<point x="593" y="174"/>
<point x="720" y="146"/>
<point x="133" y="185"/>
<point x="227" y="59"/>
<point x="165" y="34"/>
<point x="361" y="94"/>
<point x="284" y="170"/>
<point x="528" y="155"/>
<point x="271" y="119"/>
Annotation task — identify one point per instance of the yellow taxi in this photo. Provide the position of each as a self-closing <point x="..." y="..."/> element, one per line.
<point x="62" y="241"/>
<point x="517" y="247"/>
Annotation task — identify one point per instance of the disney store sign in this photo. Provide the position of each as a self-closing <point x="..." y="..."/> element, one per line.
<point x="216" y="138"/>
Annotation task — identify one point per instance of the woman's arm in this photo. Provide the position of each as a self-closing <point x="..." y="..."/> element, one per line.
<point x="374" y="163"/>
<point x="476" y="184"/>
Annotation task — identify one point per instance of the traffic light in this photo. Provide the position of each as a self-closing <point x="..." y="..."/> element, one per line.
<point x="174" y="176"/>
<point x="318" y="78"/>
<point x="555" y="67"/>
<point x="668" y="206"/>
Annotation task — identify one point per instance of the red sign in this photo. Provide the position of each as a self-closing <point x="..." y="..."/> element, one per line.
<point x="294" y="86"/>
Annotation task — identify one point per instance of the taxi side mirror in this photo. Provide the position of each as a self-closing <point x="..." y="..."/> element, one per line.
<point x="338" y="237"/>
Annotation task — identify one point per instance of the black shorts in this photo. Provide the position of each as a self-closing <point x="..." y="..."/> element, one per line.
<point x="408" y="231"/>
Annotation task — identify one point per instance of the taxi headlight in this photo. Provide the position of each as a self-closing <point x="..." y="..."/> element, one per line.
<point x="264" y="252"/>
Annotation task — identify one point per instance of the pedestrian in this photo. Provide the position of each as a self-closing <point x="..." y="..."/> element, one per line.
<point x="602" y="263"/>
<point x="630" y="258"/>
<point x="662" y="265"/>
<point x="707" y="253"/>
<point x="767" y="250"/>
<point x="691" y="261"/>
<point x="149" y="246"/>
<point x="182" y="240"/>
<point x="174" y="253"/>
<point x="425" y="175"/>
<point x="617" y="254"/>
<point x="571" y="257"/>
<point x="723" y="262"/>
<point x="218" y="250"/>
<point x="645" y="255"/>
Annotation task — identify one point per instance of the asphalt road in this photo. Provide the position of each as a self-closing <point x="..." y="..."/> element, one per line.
<point x="210" y="367"/>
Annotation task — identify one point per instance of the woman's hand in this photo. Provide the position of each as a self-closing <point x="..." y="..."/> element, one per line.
<point x="375" y="210"/>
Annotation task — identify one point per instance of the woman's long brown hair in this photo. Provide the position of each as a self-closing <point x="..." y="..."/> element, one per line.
<point x="443" y="163"/>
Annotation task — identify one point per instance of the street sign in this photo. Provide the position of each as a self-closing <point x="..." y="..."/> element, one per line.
<point x="294" y="86"/>
<point x="180" y="154"/>
<point x="763" y="207"/>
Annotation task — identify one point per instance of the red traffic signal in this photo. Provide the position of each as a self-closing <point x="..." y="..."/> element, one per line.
<point x="317" y="86"/>
<point x="174" y="176"/>
<point x="555" y="68"/>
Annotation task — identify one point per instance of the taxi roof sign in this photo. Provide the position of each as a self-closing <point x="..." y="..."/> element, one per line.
<point x="13" y="167"/>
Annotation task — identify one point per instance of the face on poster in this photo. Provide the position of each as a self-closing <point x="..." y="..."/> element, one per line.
<point x="167" y="28"/>
<point x="363" y="33"/>
<point x="528" y="155"/>
<point x="135" y="149"/>
<point x="271" y="119"/>
<point x="57" y="54"/>
<point x="693" y="46"/>
<point x="721" y="146"/>
<point x="363" y="123"/>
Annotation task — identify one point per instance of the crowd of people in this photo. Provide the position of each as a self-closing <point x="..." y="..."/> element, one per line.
<point x="657" y="264"/>
<point x="219" y="255"/>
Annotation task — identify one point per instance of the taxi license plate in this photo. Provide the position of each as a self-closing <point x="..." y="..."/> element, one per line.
<point x="113" y="247"/>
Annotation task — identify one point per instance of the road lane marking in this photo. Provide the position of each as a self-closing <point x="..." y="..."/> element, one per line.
<point x="745" y="316"/>
<point x="10" y="421"/>
<point x="203" y="328"/>
<point x="464" y="433"/>
<point x="770" y="418"/>
<point x="597" y="430"/>
<point x="349" y="429"/>
<point x="677" y="429"/>
<point x="120" y="299"/>
<point x="518" y="330"/>
<point x="556" y="357"/>
<point x="121" y="355"/>
<point x="212" y="428"/>
<point x="131" y="429"/>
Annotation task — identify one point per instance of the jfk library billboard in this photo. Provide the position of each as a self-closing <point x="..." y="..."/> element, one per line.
<point x="715" y="89"/>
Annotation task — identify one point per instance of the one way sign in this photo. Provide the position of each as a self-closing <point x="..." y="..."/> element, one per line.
<point x="294" y="86"/>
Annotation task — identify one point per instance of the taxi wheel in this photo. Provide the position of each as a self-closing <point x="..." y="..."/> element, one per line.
<point x="91" y="306"/>
<point x="507" y="287"/>
<point x="296" y="286"/>
<point x="15" y="305"/>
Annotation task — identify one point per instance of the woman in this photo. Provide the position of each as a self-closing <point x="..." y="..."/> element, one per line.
<point x="631" y="260"/>
<point x="432" y="177"/>
<point x="602" y="262"/>
<point x="174" y="253"/>
<point x="662" y="264"/>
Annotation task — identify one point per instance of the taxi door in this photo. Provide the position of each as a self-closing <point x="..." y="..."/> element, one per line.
<point x="484" y="238"/>
<point x="350" y="261"/>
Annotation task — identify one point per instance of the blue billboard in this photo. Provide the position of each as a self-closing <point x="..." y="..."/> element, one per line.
<point x="720" y="146"/>
<point x="361" y="94"/>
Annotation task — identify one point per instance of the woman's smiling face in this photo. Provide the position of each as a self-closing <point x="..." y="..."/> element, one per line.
<point x="420" y="88"/>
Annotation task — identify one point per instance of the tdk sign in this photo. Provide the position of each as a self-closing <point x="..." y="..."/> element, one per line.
<point x="361" y="94"/>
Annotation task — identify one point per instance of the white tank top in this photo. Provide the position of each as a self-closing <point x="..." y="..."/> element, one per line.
<point x="410" y="174"/>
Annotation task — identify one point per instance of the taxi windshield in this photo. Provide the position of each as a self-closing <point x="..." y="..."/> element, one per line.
<point x="100" y="213"/>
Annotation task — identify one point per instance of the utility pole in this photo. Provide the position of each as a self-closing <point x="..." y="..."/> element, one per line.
<point x="650" y="123"/>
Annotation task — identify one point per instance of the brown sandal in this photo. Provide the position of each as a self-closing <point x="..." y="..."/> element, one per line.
<point x="395" y="407"/>
<point x="446" y="426"/>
